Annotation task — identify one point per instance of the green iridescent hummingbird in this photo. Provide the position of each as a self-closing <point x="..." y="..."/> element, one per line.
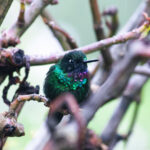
<point x="70" y="74"/>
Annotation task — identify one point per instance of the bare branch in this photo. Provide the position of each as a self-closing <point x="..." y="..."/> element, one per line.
<point x="23" y="89"/>
<point x="10" y="59"/>
<point x="21" y="20"/>
<point x="132" y="89"/>
<point x="22" y="98"/>
<point x="135" y="21"/>
<point x="133" y="120"/>
<point x="121" y="70"/>
<point x="119" y="137"/>
<point x="99" y="31"/>
<point x="114" y="89"/>
<point x="142" y="70"/>
<point x="134" y="34"/>
<point x="73" y="108"/>
<point x="66" y="41"/>
<point x="4" y="7"/>
<point x="11" y="36"/>
<point x="114" y="24"/>
<point x="53" y="2"/>
<point x="12" y="80"/>
<point x="111" y="87"/>
<point x="9" y="127"/>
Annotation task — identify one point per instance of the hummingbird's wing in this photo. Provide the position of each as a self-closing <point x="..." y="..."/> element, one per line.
<point x="55" y="82"/>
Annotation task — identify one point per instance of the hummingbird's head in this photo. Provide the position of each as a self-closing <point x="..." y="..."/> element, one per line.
<point x="74" y="61"/>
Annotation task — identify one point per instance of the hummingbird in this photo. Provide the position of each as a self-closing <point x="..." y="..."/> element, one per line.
<point x="70" y="74"/>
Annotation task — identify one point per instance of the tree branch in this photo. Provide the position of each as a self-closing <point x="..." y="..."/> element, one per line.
<point x="4" y="7"/>
<point x="131" y="91"/>
<point x="23" y="98"/>
<point x="66" y="41"/>
<point x="99" y="31"/>
<point x="11" y="36"/>
<point x="113" y="25"/>
<point x="134" y="34"/>
<point x="135" y="21"/>
<point x="111" y="87"/>
<point x="119" y="137"/>
<point x="109" y="90"/>
<point x="142" y="70"/>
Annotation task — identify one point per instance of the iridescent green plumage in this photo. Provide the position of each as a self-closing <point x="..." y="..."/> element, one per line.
<point x="67" y="76"/>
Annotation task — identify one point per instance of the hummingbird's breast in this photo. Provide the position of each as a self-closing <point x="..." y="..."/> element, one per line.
<point x="58" y="82"/>
<point x="73" y="80"/>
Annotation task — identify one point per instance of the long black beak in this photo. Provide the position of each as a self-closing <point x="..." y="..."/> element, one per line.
<point x="89" y="61"/>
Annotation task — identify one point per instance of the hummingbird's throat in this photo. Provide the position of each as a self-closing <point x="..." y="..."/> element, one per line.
<point x="78" y="76"/>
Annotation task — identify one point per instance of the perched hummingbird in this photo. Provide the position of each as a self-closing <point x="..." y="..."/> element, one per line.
<point x="70" y="74"/>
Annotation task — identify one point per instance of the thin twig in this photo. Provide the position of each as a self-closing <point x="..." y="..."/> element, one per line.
<point x="114" y="24"/>
<point x="66" y="41"/>
<point x="12" y="81"/>
<point x="126" y="136"/>
<point x="53" y="2"/>
<point x="99" y="31"/>
<point x="133" y="121"/>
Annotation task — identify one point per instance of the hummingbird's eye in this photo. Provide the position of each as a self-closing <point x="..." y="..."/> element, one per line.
<point x="70" y="61"/>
